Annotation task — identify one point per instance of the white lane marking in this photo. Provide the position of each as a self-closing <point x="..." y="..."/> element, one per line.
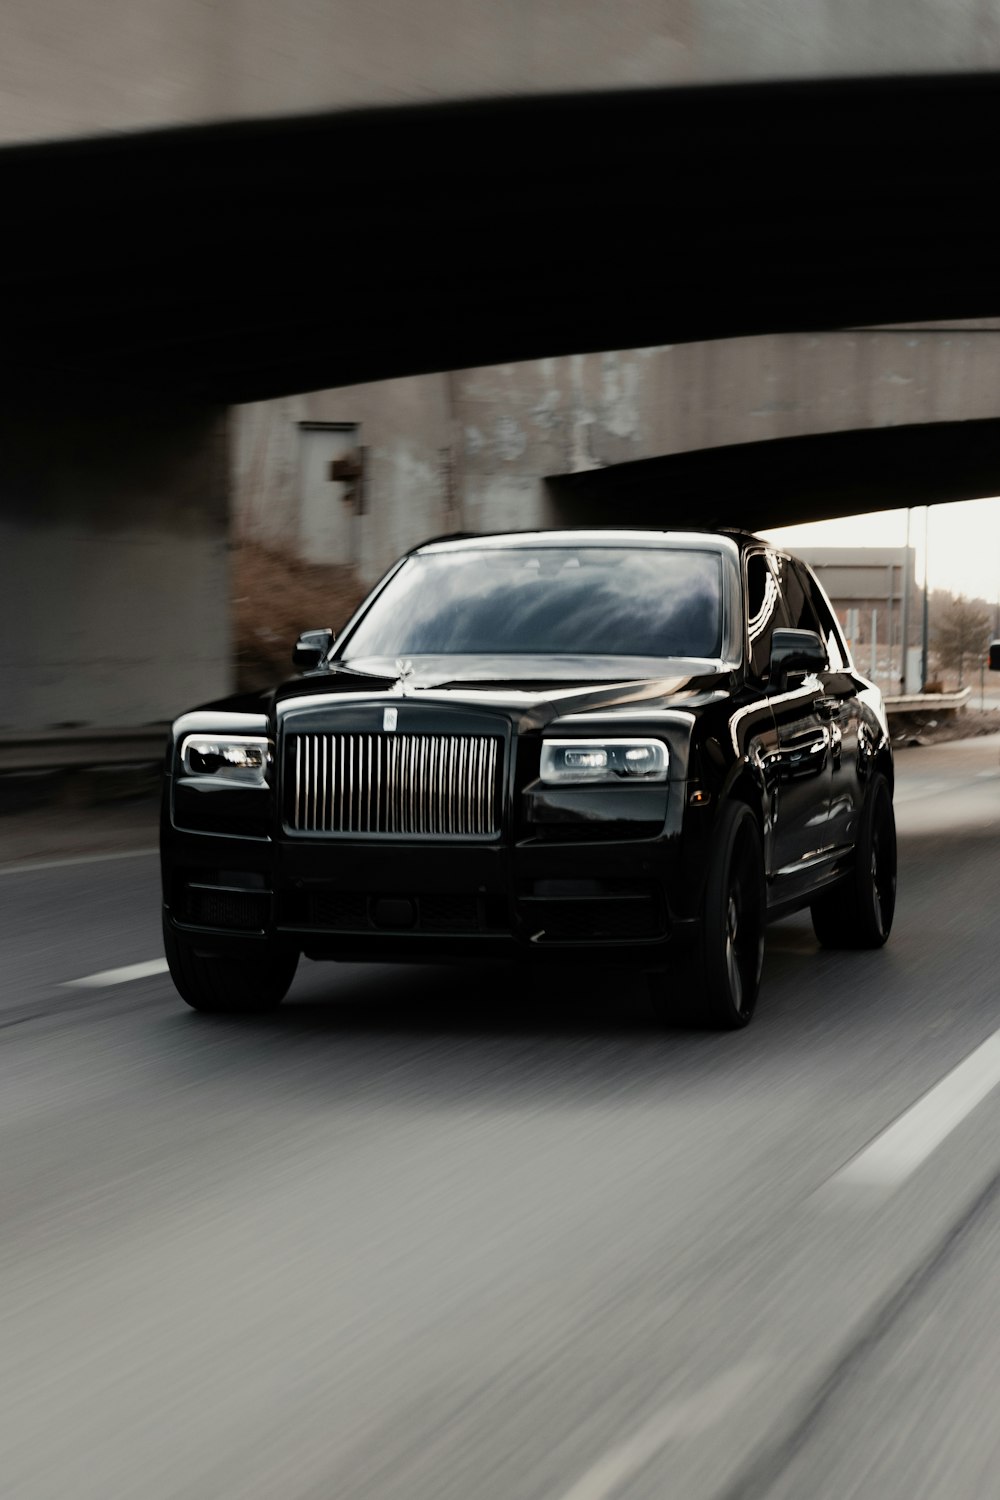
<point x="892" y="1156"/>
<point x="32" y="866"/>
<point x="686" y="1417"/>
<point x="119" y="976"/>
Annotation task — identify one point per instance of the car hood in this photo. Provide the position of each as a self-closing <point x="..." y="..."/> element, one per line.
<point x="532" y="690"/>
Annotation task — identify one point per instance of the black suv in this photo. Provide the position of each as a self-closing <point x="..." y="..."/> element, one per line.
<point x="609" y="746"/>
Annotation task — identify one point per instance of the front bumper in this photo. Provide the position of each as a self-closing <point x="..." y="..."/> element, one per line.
<point x="391" y="899"/>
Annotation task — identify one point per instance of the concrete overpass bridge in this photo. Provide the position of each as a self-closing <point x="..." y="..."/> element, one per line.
<point x="247" y="260"/>
<point x="205" y="211"/>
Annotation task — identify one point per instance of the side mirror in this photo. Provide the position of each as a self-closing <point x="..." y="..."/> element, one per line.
<point x="995" y="656"/>
<point x="795" y="651"/>
<point x="312" y="647"/>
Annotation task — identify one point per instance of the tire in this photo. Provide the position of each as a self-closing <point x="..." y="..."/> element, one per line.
<point x="718" y="984"/>
<point x="858" y="912"/>
<point x="227" y="986"/>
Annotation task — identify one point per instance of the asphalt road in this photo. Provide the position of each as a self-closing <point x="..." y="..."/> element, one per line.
<point x="444" y="1234"/>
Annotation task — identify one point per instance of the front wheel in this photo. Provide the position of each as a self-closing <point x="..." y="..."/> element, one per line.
<point x="718" y="985"/>
<point x="227" y="986"/>
<point x="858" y="912"/>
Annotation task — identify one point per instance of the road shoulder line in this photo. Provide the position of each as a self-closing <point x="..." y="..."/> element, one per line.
<point x="687" y="1416"/>
<point x="757" y="1479"/>
<point x="118" y="976"/>
<point x="897" y="1152"/>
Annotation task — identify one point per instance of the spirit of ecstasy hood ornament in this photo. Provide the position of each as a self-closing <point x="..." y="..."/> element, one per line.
<point x="404" y="669"/>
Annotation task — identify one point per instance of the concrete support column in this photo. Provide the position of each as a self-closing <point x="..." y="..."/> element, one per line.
<point x="114" y="597"/>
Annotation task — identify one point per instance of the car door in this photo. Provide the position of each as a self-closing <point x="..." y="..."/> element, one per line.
<point x="839" y="705"/>
<point x="802" y="783"/>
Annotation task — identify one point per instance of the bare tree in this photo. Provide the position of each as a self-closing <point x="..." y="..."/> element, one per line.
<point x="960" y="633"/>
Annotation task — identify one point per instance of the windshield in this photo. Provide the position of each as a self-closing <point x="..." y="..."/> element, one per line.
<point x="606" y="601"/>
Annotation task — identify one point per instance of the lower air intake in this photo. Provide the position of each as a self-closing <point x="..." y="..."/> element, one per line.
<point x="215" y="906"/>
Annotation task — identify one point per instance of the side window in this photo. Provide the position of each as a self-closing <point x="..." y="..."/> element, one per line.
<point x="765" y="611"/>
<point x="801" y="613"/>
<point x="826" y="625"/>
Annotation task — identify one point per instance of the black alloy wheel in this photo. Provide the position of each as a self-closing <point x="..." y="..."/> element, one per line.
<point x="227" y="986"/>
<point x="718" y="984"/>
<point x="858" y="912"/>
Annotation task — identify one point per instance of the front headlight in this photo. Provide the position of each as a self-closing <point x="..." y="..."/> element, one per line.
<point x="243" y="759"/>
<point x="603" y="760"/>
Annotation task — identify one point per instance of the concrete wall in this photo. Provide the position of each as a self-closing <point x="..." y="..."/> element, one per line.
<point x="564" y="415"/>
<point x="520" y="424"/>
<point x="77" y="68"/>
<point x="405" y="430"/>
<point x="474" y="450"/>
<point x="114" y="599"/>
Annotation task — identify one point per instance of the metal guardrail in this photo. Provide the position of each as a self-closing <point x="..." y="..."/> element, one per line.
<point x="925" y="703"/>
<point x="79" y="749"/>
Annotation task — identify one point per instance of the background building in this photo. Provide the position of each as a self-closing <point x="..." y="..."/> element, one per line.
<point x="867" y="588"/>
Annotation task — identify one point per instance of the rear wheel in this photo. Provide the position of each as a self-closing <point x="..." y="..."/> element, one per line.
<point x="227" y="986"/>
<point x="717" y="986"/>
<point x="858" y="912"/>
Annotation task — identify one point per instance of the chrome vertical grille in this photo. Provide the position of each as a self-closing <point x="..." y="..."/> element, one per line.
<point x="444" y="784"/>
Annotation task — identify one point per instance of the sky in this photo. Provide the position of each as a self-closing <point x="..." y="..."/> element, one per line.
<point x="963" y="542"/>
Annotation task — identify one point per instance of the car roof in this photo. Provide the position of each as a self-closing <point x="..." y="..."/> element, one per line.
<point x="584" y="537"/>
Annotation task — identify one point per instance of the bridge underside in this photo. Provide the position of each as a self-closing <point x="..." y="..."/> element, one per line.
<point x="788" y="480"/>
<point x="233" y="263"/>
<point x="150" y="279"/>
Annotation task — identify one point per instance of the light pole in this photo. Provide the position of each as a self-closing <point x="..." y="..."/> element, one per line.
<point x="927" y="569"/>
<point x="905" y="627"/>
